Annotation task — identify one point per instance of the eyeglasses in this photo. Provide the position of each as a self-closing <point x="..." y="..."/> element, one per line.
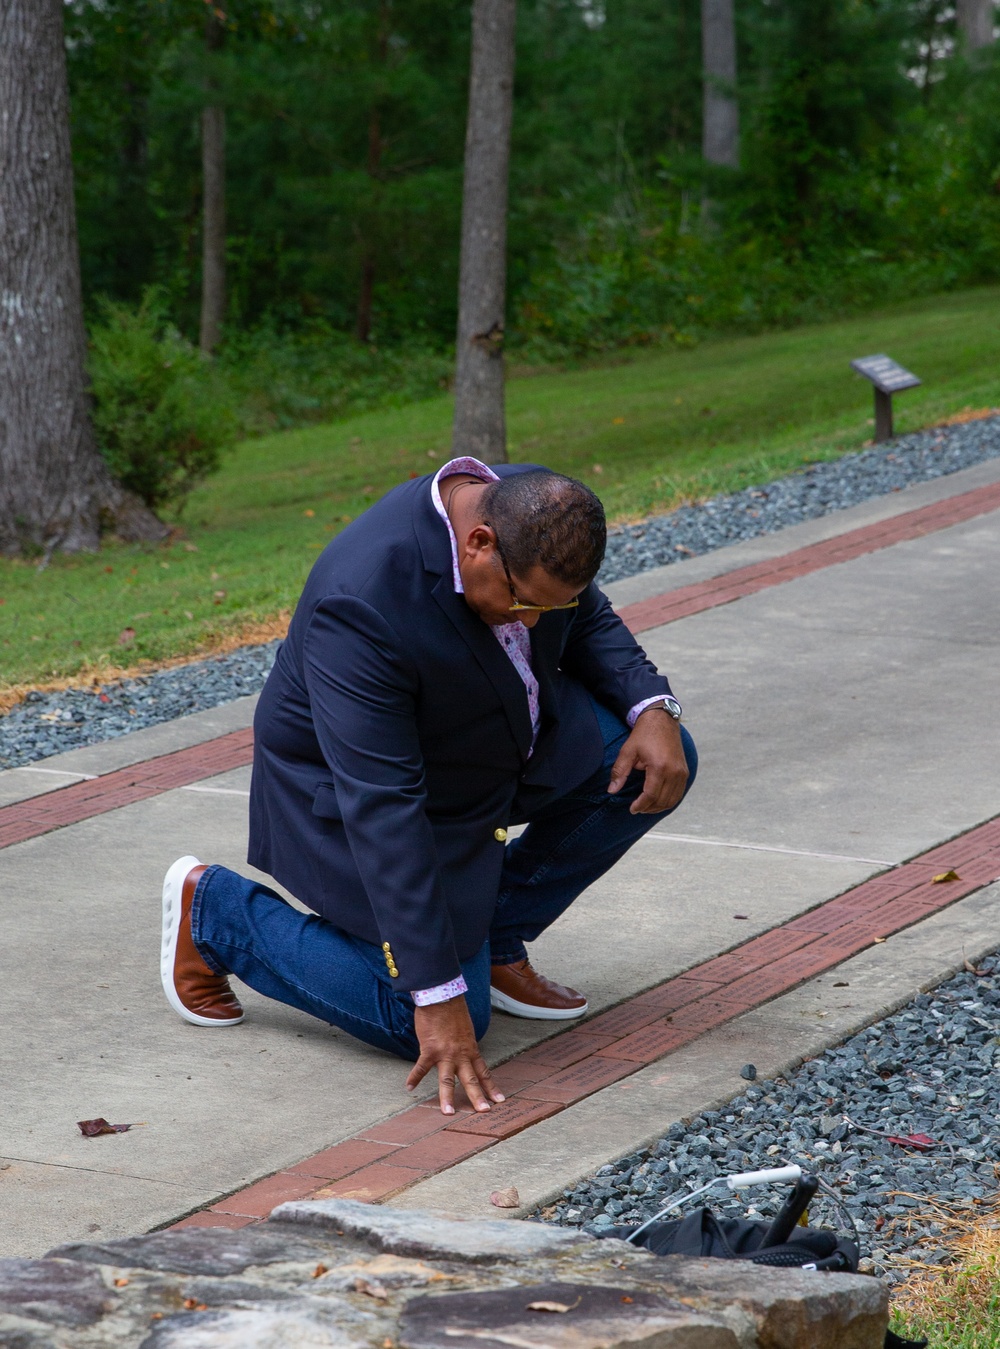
<point x="515" y="602"/>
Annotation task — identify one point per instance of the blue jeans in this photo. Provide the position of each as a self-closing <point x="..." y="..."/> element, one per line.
<point x="242" y="927"/>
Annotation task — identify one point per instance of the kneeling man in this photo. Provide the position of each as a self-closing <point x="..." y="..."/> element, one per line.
<point x="451" y="670"/>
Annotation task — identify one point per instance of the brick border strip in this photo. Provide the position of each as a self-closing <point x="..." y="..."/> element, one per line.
<point x="81" y="800"/>
<point x="734" y="585"/>
<point x="386" y="1158"/>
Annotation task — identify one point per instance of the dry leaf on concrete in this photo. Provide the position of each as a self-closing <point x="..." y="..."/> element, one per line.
<point x="508" y="1198"/>
<point x="93" y="1128"/>
<point x="946" y="876"/>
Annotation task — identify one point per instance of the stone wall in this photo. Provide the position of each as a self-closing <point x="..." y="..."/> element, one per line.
<point x="335" y="1274"/>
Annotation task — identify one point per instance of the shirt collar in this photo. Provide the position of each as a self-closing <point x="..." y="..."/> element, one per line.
<point x="475" y="469"/>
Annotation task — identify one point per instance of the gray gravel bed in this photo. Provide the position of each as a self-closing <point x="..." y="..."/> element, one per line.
<point x="928" y="1069"/>
<point x="814" y="491"/>
<point x="50" y="723"/>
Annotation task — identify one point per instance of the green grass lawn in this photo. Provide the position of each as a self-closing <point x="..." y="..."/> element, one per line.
<point x="645" y="432"/>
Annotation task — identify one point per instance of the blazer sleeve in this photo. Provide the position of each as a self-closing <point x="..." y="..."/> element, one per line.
<point x="603" y="655"/>
<point x="363" y="691"/>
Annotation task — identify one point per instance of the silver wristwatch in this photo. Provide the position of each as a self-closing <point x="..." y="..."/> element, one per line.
<point x="669" y="705"/>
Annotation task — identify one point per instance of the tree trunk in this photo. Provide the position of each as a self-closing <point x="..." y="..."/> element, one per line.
<point x="55" y="490"/>
<point x="975" y="23"/>
<point x="213" y="232"/>
<point x="720" y="138"/>
<point x="366" y="292"/>
<point x="480" y="427"/>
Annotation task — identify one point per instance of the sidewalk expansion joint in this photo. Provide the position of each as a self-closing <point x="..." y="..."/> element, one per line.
<point x="385" y="1159"/>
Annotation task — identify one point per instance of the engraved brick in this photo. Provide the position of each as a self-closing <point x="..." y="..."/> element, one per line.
<point x="562" y="1050"/>
<point x="756" y="953"/>
<point x="507" y="1118"/>
<point x="648" y="1044"/>
<point x="573" y="1084"/>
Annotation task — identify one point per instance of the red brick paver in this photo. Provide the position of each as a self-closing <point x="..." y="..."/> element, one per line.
<point x="81" y="800"/>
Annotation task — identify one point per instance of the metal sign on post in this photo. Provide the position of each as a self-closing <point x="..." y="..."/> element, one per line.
<point x="888" y="377"/>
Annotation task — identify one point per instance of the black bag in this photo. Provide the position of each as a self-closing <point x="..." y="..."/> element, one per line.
<point x="702" y="1233"/>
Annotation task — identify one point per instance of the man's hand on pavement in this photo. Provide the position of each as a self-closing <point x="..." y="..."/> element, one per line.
<point x="447" y="1041"/>
<point x="655" y="747"/>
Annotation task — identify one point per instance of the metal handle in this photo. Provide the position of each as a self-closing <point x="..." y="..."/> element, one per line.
<point x="777" y="1175"/>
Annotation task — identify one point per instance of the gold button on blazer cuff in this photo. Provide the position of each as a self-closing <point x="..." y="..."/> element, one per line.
<point x="500" y="835"/>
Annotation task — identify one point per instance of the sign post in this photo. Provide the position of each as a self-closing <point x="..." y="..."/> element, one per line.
<point x="888" y="377"/>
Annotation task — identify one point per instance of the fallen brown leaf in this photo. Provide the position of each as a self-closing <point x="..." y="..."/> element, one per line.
<point x="508" y="1198"/>
<point x="946" y="876"/>
<point x="121" y="1283"/>
<point x="319" y="1271"/>
<point x="94" y="1128"/>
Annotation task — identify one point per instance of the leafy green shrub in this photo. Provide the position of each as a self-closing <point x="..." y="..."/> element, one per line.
<point x="162" y="413"/>
<point x="317" y="374"/>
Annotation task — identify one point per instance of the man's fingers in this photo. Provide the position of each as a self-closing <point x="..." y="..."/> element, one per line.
<point x="446" y="1087"/>
<point x="470" y="1081"/>
<point x="418" y="1072"/>
<point x="486" y="1078"/>
<point x="659" y="794"/>
<point x="623" y="765"/>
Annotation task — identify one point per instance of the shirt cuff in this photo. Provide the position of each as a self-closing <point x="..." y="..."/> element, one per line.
<point x="633" y="716"/>
<point x="423" y="997"/>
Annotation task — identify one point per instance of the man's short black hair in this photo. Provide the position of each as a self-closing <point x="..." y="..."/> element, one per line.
<point x="547" y="520"/>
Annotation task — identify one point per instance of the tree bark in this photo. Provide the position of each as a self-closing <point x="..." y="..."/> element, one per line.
<point x="720" y="138"/>
<point x="55" y="489"/>
<point x="975" y="23"/>
<point x="213" y="232"/>
<point x="480" y="427"/>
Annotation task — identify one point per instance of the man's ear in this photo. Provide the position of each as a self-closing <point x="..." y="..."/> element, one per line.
<point x="480" y="540"/>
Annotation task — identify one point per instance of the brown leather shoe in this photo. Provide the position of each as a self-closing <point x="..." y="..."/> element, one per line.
<point x="194" y="991"/>
<point x="522" y="991"/>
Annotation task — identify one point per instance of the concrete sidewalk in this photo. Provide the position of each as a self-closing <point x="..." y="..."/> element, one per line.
<point x="845" y="722"/>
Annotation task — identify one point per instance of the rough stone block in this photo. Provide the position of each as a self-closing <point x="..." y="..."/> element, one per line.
<point x="57" y="1291"/>
<point x="197" y="1250"/>
<point x="579" y="1316"/>
<point x="428" y="1235"/>
<point x="308" y="1324"/>
<point x="791" y="1308"/>
<point x="18" y="1333"/>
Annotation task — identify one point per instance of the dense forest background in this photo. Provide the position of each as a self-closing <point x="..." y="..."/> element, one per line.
<point x="869" y="169"/>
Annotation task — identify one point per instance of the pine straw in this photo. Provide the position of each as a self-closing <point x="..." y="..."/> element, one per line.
<point x="965" y="1293"/>
<point x="217" y="643"/>
<point x="966" y="415"/>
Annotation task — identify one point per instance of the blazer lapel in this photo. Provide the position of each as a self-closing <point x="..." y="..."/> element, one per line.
<point x="495" y="663"/>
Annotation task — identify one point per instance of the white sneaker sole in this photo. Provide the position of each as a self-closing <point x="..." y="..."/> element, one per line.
<point x="505" y="1003"/>
<point x="173" y="890"/>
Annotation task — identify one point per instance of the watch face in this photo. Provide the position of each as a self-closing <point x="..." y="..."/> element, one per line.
<point x="672" y="706"/>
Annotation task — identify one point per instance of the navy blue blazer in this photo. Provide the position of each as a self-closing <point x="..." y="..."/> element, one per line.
<point x="392" y="737"/>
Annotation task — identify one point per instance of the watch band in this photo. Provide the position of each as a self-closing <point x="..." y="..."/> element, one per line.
<point x="669" y="705"/>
